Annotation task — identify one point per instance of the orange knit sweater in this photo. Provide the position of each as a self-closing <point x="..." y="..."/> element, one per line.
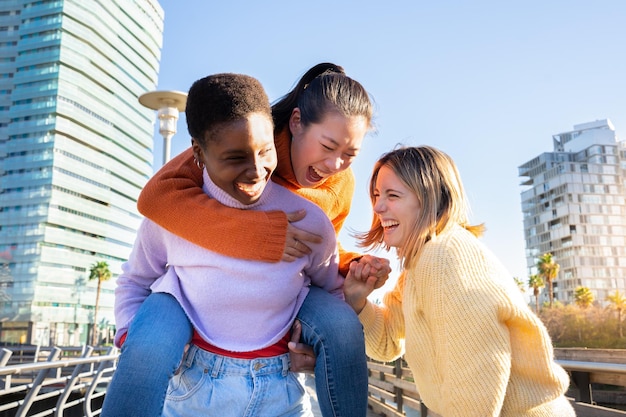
<point x="173" y="198"/>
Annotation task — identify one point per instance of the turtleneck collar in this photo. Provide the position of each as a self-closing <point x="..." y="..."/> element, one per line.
<point x="226" y="199"/>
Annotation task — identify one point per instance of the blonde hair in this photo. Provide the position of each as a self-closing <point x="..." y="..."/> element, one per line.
<point x="434" y="178"/>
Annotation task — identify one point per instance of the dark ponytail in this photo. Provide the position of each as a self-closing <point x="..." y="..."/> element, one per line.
<point x="322" y="89"/>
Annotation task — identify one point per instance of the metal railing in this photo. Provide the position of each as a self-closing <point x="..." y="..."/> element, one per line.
<point x="72" y="382"/>
<point x="391" y="387"/>
<point x="56" y="387"/>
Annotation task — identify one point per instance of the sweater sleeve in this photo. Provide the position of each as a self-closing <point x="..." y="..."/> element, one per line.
<point x="323" y="270"/>
<point x="338" y="202"/>
<point x="173" y="198"/>
<point x="345" y="258"/>
<point x="146" y="263"/>
<point x="384" y="325"/>
<point x="471" y="338"/>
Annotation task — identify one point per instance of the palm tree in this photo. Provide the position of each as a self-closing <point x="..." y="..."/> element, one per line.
<point x="618" y="303"/>
<point x="99" y="271"/>
<point x="548" y="270"/>
<point x="520" y="284"/>
<point x="583" y="297"/>
<point x="536" y="283"/>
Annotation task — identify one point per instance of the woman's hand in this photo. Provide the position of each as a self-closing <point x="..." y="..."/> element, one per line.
<point x="379" y="267"/>
<point x="359" y="283"/>
<point x="302" y="356"/>
<point x="297" y="239"/>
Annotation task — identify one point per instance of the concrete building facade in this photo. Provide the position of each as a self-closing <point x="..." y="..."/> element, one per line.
<point x="75" y="151"/>
<point x="574" y="207"/>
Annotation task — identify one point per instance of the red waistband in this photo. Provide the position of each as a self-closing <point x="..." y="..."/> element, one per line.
<point x="276" y="349"/>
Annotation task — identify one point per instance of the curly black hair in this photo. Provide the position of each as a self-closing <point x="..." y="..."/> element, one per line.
<point x="222" y="98"/>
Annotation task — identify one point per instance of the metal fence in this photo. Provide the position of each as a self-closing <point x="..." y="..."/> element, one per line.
<point x="72" y="382"/>
<point x="391" y="387"/>
<point x="67" y="383"/>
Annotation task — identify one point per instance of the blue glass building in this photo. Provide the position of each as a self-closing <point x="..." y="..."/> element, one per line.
<point x="75" y="150"/>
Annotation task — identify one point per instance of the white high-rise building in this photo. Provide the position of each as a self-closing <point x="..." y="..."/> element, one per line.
<point x="574" y="207"/>
<point x="75" y="150"/>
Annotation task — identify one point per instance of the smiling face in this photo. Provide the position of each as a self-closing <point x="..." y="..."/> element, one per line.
<point x="396" y="206"/>
<point x="323" y="149"/>
<point x="240" y="156"/>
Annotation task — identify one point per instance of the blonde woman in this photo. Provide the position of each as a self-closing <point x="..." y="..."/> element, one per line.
<point x="473" y="344"/>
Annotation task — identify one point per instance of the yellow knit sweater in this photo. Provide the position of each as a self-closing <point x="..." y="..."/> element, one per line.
<point x="474" y="346"/>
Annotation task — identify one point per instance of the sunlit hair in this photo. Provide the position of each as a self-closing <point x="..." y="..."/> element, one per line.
<point x="218" y="99"/>
<point x="433" y="177"/>
<point x="323" y="89"/>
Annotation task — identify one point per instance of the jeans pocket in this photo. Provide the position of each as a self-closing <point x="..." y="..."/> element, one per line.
<point x="295" y="385"/>
<point x="187" y="382"/>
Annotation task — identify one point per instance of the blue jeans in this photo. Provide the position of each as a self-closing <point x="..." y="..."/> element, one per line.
<point x="215" y="385"/>
<point x="156" y="338"/>
<point x="151" y="353"/>
<point x="336" y="334"/>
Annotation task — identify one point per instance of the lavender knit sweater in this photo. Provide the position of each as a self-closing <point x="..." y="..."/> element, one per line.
<point x="234" y="304"/>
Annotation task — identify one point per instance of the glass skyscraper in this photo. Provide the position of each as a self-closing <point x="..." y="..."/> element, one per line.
<point x="574" y="207"/>
<point x="75" y="150"/>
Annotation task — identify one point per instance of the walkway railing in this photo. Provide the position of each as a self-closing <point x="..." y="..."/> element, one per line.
<point x="391" y="387"/>
<point x="56" y="387"/>
<point x="72" y="382"/>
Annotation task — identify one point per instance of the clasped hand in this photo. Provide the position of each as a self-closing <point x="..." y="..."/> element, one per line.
<point x="302" y="356"/>
<point x="359" y="284"/>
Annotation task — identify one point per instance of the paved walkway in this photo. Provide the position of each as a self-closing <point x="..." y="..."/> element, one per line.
<point x="310" y="387"/>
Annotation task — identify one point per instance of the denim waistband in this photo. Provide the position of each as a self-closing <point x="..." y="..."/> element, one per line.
<point x="218" y="365"/>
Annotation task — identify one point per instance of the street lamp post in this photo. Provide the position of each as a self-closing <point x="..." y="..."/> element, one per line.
<point x="168" y="104"/>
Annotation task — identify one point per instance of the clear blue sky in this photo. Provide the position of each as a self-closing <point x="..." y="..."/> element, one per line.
<point x="488" y="82"/>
